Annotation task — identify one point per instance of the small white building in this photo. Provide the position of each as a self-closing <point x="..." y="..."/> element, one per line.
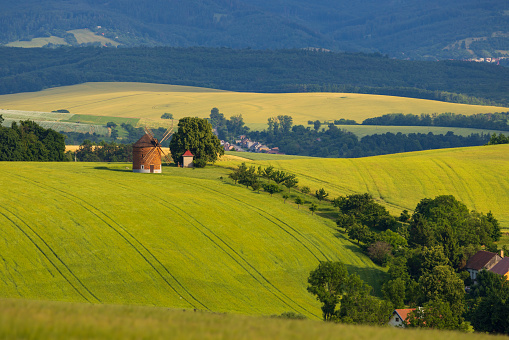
<point x="187" y="159"/>
<point x="399" y="316"/>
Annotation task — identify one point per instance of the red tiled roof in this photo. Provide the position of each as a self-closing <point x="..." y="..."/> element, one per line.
<point x="479" y="260"/>
<point x="502" y="267"/>
<point x="403" y="313"/>
<point x="188" y="153"/>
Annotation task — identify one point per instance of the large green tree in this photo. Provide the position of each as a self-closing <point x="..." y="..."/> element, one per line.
<point x="195" y="134"/>
<point x="327" y="282"/>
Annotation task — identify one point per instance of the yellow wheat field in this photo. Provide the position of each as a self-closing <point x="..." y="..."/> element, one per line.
<point x="150" y="101"/>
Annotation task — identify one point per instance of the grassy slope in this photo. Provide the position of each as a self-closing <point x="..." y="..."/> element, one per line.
<point x="21" y="319"/>
<point x="98" y="233"/>
<point x="150" y="101"/>
<point x="477" y="176"/>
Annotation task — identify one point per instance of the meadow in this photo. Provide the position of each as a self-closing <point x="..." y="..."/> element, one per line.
<point x="99" y="233"/>
<point x="150" y="101"/>
<point x="23" y="319"/>
<point x="83" y="36"/>
<point x="477" y="176"/>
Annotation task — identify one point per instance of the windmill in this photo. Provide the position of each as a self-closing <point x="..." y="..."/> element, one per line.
<point x="147" y="152"/>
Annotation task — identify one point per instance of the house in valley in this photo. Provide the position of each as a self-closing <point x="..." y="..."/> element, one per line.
<point x="398" y="318"/>
<point x="501" y="268"/>
<point x="481" y="260"/>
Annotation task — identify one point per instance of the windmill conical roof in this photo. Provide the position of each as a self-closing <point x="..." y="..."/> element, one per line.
<point x="145" y="142"/>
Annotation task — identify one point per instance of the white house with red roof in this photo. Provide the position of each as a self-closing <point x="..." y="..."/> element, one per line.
<point x="399" y="316"/>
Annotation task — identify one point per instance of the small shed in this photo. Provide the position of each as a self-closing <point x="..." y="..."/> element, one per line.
<point x="187" y="159"/>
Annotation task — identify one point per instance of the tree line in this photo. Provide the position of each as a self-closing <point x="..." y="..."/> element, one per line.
<point x="27" y="141"/>
<point x="334" y="142"/>
<point x="23" y="70"/>
<point x="491" y="121"/>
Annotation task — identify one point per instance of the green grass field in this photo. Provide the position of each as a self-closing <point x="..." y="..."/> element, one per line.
<point x="22" y="319"/>
<point x="93" y="232"/>
<point x="477" y="176"/>
<point x="150" y="101"/>
<point x="365" y="130"/>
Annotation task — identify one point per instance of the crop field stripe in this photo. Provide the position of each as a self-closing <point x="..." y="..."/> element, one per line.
<point x="262" y="212"/>
<point x="446" y="167"/>
<point x="183" y="214"/>
<point x="46" y="255"/>
<point x="84" y="203"/>
<point x="237" y="261"/>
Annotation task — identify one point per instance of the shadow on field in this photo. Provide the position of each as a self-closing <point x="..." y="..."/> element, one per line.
<point x="372" y="276"/>
<point x="113" y="169"/>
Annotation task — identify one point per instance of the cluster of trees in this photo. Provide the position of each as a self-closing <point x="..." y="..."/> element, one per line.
<point x="89" y="151"/>
<point x="332" y="285"/>
<point x="334" y="142"/>
<point x="27" y="141"/>
<point x="498" y="139"/>
<point x="23" y="70"/>
<point x="492" y="121"/>
<point x="426" y="253"/>
<point x="252" y="177"/>
<point x="227" y="129"/>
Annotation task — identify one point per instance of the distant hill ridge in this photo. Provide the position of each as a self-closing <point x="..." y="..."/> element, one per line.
<point x="405" y="29"/>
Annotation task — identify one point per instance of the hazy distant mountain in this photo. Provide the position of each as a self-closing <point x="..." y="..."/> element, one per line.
<point x="401" y="28"/>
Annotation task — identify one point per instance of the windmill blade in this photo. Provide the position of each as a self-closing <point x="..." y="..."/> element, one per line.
<point x="148" y="132"/>
<point x="146" y="157"/>
<point x="168" y="133"/>
<point x="168" y="160"/>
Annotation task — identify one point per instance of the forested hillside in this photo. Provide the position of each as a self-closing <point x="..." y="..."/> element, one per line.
<point x="404" y="29"/>
<point x="23" y="70"/>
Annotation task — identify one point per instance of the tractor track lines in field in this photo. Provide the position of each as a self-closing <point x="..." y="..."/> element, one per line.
<point x="107" y="100"/>
<point x="168" y="204"/>
<point x="44" y="253"/>
<point x="261" y="212"/>
<point x="96" y="212"/>
<point x="216" y="240"/>
<point x="448" y="170"/>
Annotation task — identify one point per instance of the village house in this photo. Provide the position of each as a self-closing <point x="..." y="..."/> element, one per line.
<point x="502" y="267"/>
<point x="481" y="260"/>
<point x="399" y="316"/>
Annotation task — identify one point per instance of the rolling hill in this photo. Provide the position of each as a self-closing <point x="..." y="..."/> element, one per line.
<point x="91" y="232"/>
<point x="476" y="176"/>
<point x="150" y="101"/>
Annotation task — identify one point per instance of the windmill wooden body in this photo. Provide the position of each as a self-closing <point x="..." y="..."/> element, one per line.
<point x="147" y="152"/>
